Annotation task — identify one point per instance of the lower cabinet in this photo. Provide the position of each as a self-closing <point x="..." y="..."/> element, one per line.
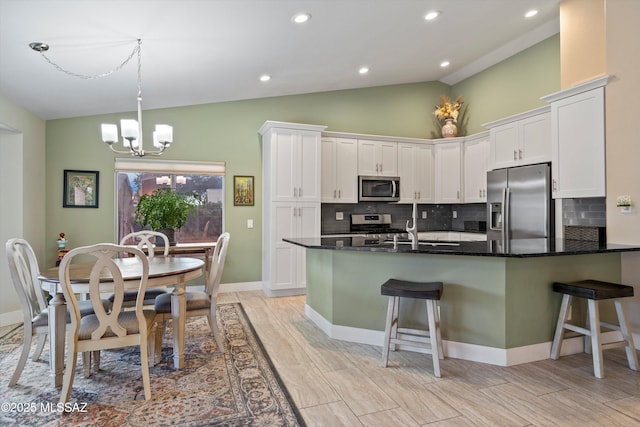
<point x="284" y="262"/>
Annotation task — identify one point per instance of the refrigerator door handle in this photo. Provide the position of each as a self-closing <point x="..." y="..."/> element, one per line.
<point x="505" y="214"/>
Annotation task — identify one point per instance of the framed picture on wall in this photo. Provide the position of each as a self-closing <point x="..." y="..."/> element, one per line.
<point x="243" y="191"/>
<point x="80" y="189"/>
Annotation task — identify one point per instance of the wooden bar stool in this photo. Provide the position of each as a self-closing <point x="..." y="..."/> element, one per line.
<point x="593" y="291"/>
<point x="430" y="292"/>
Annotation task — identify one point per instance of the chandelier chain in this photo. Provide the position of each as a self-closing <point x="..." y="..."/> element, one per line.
<point x="100" y="75"/>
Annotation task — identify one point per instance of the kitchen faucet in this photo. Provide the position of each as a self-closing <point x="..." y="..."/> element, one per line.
<point x="413" y="230"/>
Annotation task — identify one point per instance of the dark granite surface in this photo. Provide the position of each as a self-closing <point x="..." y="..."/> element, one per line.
<point x="521" y="248"/>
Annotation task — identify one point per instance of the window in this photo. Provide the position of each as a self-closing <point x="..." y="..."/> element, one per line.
<point x="135" y="177"/>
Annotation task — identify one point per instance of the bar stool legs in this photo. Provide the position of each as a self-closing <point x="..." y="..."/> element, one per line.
<point x="595" y="291"/>
<point x="395" y="289"/>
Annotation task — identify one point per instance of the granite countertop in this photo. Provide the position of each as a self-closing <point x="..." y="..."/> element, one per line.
<point x="521" y="248"/>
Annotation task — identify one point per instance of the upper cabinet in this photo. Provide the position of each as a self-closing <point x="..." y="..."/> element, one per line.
<point x="521" y="139"/>
<point x="339" y="170"/>
<point x="475" y="167"/>
<point x="448" y="171"/>
<point x="578" y="140"/>
<point x="416" y="171"/>
<point x="377" y="158"/>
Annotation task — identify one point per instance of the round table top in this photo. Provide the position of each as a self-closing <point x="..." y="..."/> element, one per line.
<point x="130" y="267"/>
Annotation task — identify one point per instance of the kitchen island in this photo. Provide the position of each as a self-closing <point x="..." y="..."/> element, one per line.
<point x="497" y="306"/>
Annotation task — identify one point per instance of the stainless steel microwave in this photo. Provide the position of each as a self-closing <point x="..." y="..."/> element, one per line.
<point x="378" y="188"/>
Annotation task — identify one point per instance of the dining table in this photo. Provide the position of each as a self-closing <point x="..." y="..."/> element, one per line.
<point x="163" y="271"/>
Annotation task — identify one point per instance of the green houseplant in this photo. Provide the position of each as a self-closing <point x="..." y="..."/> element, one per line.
<point x="166" y="210"/>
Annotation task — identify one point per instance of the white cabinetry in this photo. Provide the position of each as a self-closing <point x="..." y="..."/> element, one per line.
<point x="339" y="183"/>
<point x="522" y="139"/>
<point x="448" y="172"/>
<point x="476" y="159"/>
<point x="416" y="171"/>
<point x="377" y="158"/>
<point x="578" y="140"/>
<point x="291" y="202"/>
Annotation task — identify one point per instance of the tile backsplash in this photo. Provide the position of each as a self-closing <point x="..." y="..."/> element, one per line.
<point x="589" y="211"/>
<point x="439" y="217"/>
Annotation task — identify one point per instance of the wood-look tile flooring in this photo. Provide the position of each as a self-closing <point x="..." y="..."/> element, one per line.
<point x="335" y="383"/>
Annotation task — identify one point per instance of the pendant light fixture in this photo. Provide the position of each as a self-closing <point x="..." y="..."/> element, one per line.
<point x="130" y="130"/>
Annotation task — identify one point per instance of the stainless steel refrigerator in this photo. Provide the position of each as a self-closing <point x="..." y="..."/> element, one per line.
<point x="519" y="203"/>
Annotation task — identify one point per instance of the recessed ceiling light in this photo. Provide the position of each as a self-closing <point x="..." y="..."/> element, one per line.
<point x="444" y="64"/>
<point x="431" y="15"/>
<point x="363" y="70"/>
<point x="531" y="13"/>
<point x="265" y="78"/>
<point x="301" y="18"/>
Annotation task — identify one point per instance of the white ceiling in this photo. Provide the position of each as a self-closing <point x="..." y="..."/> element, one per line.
<point x="202" y="51"/>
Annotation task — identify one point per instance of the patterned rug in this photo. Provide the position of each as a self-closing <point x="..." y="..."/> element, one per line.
<point x="237" y="388"/>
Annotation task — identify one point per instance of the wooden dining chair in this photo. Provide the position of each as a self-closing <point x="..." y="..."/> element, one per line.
<point x="23" y="267"/>
<point x="145" y="240"/>
<point x="198" y="303"/>
<point x="102" y="330"/>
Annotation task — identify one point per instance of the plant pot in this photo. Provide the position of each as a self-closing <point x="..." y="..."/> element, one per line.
<point x="449" y="129"/>
<point x="171" y="235"/>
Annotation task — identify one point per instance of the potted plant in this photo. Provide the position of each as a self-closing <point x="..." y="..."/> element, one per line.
<point x="166" y="210"/>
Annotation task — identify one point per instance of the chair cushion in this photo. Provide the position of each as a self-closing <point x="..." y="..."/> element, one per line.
<point x="196" y="300"/>
<point x="149" y="295"/>
<point x="406" y="289"/>
<point x="127" y="320"/>
<point x="42" y="318"/>
<point x="593" y="289"/>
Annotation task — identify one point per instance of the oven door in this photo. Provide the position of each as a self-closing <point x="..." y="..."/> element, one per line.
<point x="378" y="189"/>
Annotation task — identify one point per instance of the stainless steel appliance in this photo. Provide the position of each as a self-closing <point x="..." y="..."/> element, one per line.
<point x="375" y="227"/>
<point x="519" y="204"/>
<point x="378" y="188"/>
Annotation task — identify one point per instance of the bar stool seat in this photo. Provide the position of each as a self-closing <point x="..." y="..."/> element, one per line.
<point x="428" y="291"/>
<point x="594" y="291"/>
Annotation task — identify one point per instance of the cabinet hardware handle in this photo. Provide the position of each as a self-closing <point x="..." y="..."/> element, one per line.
<point x="376" y="167"/>
<point x="418" y="195"/>
<point x="299" y="191"/>
<point x="555" y="185"/>
<point x="334" y="194"/>
<point x="295" y="192"/>
<point x="480" y="193"/>
<point x="515" y="155"/>
<point x="520" y="154"/>
<point x="380" y="167"/>
<point x="458" y="194"/>
<point x="339" y="194"/>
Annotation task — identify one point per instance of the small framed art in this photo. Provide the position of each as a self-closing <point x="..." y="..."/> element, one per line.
<point x="80" y="189"/>
<point x="243" y="190"/>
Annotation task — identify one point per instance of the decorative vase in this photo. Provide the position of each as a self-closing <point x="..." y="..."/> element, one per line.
<point x="171" y="236"/>
<point x="449" y="129"/>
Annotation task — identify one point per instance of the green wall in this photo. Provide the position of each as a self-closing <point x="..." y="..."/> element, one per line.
<point x="228" y="132"/>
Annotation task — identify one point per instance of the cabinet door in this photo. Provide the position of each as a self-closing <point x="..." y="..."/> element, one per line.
<point x="308" y="223"/>
<point x="448" y="177"/>
<point x="388" y="158"/>
<point x="367" y="158"/>
<point x="328" y="185"/>
<point x="535" y="140"/>
<point x="475" y="171"/>
<point x="578" y="138"/>
<point x="503" y="151"/>
<point x="284" y="255"/>
<point x="407" y="173"/>
<point x="346" y="173"/>
<point x="308" y="167"/>
<point x="424" y="173"/>
<point x="284" y="166"/>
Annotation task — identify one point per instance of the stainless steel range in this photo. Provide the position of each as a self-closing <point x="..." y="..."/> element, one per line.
<point x="375" y="227"/>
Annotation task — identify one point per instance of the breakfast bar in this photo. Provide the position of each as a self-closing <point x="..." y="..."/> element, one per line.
<point x="497" y="307"/>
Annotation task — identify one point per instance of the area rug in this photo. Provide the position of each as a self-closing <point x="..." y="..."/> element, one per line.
<point x="237" y="388"/>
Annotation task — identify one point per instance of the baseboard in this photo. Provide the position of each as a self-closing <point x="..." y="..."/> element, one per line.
<point x="274" y="293"/>
<point x="10" y="318"/>
<point x="241" y="286"/>
<point x="464" y="351"/>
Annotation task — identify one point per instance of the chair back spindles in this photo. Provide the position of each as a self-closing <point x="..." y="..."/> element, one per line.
<point x="217" y="264"/>
<point x="142" y="240"/>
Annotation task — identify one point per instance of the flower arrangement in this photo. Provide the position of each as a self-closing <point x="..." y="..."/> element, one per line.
<point x="448" y="109"/>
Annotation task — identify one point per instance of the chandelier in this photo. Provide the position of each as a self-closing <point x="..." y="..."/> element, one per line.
<point x="131" y="130"/>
